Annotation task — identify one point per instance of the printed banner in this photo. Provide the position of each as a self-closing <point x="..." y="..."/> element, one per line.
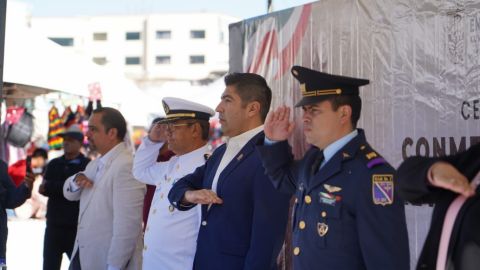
<point x="421" y="57"/>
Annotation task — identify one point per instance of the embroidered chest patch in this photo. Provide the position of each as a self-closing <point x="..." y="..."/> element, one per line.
<point x="382" y="189"/>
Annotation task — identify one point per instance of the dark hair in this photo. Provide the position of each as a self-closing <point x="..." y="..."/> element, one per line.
<point x="40" y="152"/>
<point x="251" y="87"/>
<point x="112" y="118"/>
<point x="353" y="101"/>
<point x="205" y="126"/>
<point x="156" y="120"/>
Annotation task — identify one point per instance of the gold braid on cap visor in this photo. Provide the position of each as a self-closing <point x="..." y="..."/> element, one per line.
<point x="175" y="115"/>
<point x="315" y="93"/>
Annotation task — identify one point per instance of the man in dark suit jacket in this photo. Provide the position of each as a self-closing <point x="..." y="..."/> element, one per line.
<point x="440" y="181"/>
<point x="243" y="217"/>
<point x="11" y="197"/>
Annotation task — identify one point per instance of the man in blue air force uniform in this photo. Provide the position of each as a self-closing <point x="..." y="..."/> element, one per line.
<point x="347" y="212"/>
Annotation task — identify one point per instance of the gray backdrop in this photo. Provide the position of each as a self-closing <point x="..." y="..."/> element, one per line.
<point x="422" y="58"/>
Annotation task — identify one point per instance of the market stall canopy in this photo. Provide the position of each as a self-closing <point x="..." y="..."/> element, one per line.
<point x="33" y="60"/>
<point x="35" y="65"/>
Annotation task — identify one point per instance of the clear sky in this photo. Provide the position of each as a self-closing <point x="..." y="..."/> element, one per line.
<point x="240" y="8"/>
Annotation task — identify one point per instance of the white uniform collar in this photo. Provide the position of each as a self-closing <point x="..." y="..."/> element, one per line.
<point x="193" y="154"/>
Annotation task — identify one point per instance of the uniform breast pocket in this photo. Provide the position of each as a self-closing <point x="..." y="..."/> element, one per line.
<point x="329" y="228"/>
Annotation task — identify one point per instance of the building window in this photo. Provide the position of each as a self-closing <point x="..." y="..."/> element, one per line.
<point x="67" y="42"/>
<point x="100" y="36"/>
<point x="132" y="60"/>
<point x="162" y="59"/>
<point x="132" y="36"/>
<point x="197" y="59"/>
<point x="100" y="60"/>
<point x="221" y="36"/>
<point x="164" y="34"/>
<point x="197" y="34"/>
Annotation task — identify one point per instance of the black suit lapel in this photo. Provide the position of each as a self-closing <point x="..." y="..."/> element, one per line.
<point x="246" y="151"/>
<point x="216" y="159"/>
<point x="242" y="155"/>
<point x="454" y="237"/>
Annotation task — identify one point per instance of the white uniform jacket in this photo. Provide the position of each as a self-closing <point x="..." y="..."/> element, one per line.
<point x="110" y="217"/>
<point x="170" y="235"/>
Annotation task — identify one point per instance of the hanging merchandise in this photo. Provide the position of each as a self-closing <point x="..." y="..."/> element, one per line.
<point x="69" y="119"/>
<point x="95" y="91"/>
<point x="20" y="131"/>
<point x="65" y="115"/>
<point x="13" y="114"/>
<point x="80" y="115"/>
<point x="55" y="127"/>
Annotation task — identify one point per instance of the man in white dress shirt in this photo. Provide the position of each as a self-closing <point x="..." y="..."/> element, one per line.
<point x="111" y="200"/>
<point x="171" y="235"/>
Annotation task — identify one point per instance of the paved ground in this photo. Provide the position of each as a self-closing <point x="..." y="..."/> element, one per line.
<point x="25" y="245"/>
<point x="25" y="239"/>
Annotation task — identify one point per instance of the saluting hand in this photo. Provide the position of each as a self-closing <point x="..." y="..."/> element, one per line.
<point x="278" y="126"/>
<point x="202" y="196"/>
<point x="157" y="133"/>
<point x="444" y="175"/>
<point x="82" y="181"/>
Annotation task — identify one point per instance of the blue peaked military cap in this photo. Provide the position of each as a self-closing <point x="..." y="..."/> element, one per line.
<point x="318" y="86"/>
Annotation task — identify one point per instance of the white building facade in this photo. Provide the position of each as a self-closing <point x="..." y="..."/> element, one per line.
<point x="150" y="49"/>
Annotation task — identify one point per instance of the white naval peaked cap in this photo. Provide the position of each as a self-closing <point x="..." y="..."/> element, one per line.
<point x="177" y="109"/>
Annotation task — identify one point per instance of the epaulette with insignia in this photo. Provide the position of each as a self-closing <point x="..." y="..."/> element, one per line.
<point x="371" y="157"/>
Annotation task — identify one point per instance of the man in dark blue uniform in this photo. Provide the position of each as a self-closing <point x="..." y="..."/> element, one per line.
<point x="347" y="212"/>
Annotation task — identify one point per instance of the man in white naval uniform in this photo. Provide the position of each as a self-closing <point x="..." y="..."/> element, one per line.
<point x="171" y="235"/>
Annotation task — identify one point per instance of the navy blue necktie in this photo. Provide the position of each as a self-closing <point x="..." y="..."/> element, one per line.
<point x="316" y="163"/>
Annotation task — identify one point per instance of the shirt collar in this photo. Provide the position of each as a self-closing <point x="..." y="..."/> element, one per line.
<point x="333" y="148"/>
<point x="243" y="138"/>
<point x="105" y="158"/>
